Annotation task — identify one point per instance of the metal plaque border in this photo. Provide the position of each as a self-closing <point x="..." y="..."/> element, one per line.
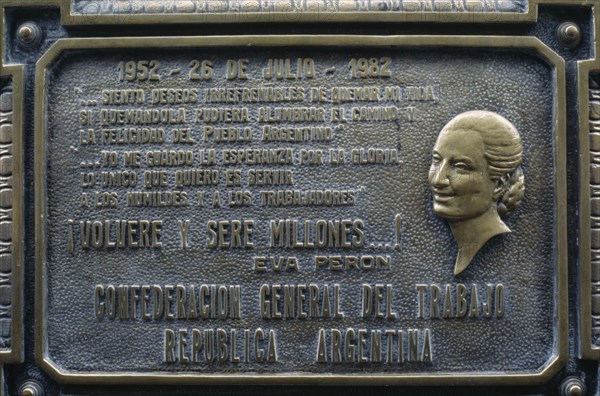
<point x="560" y="340"/>
<point x="15" y="354"/>
<point x="68" y="17"/>
<point x="584" y="69"/>
<point x="584" y="303"/>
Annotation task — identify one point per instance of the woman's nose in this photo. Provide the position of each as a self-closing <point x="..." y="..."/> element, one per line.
<point x="439" y="175"/>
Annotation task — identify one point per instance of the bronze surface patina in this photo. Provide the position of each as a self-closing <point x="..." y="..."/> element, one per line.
<point x="303" y="200"/>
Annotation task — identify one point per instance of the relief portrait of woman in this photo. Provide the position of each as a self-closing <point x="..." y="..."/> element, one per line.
<point x="476" y="179"/>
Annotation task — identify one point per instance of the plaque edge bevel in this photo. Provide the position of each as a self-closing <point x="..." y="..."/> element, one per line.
<point x="551" y="366"/>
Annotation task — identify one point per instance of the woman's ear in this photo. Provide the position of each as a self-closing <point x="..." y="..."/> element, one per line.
<point x="501" y="185"/>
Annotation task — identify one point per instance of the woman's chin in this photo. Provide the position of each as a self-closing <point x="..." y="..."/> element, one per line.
<point x="444" y="211"/>
<point x="452" y="213"/>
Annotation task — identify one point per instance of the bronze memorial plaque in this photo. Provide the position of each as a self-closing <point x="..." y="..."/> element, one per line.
<point x="198" y="205"/>
<point x="346" y="213"/>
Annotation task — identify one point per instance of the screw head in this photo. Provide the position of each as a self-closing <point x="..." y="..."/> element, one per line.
<point x="26" y="33"/>
<point x="574" y="390"/>
<point x="29" y="35"/>
<point x="31" y="388"/>
<point x="568" y="35"/>
<point x="572" y="386"/>
<point x="28" y="391"/>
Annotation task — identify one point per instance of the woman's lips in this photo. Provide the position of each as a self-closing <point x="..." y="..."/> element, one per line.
<point x="442" y="197"/>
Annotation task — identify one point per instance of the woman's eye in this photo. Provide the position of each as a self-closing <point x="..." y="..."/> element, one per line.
<point x="462" y="166"/>
<point x="436" y="158"/>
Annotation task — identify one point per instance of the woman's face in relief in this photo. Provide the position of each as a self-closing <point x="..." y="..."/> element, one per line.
<point x="458" y="176"/>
